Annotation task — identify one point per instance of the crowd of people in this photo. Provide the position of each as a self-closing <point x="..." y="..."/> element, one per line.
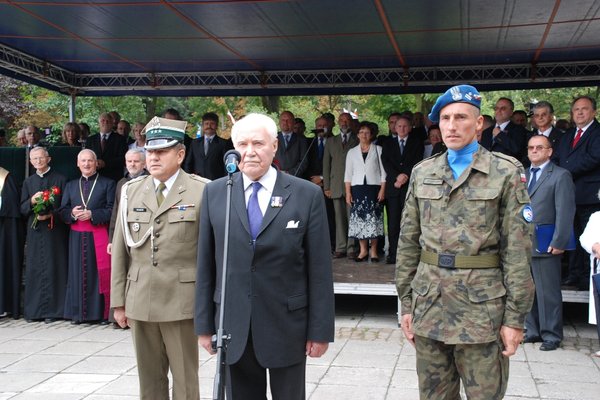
<point x="76" y="230"/>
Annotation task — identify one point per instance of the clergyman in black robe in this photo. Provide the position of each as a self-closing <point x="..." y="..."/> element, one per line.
<point x="46" y="250"/>
<point x="86" y="206"/>
<point x="11" y="246"/>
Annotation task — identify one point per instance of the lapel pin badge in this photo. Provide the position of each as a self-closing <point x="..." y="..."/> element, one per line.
<point x="276" y="202"/>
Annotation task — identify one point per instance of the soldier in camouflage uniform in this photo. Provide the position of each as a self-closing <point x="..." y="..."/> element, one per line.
<point x="462" y="271"/>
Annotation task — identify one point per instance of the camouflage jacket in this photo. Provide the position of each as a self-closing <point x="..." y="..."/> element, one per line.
<point x="480" y="213"/>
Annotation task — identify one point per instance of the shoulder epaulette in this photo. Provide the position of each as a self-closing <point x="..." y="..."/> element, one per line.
<point x="430" y="158"/>
<point x="508" y="158"/>
<point x="199" y="178"/>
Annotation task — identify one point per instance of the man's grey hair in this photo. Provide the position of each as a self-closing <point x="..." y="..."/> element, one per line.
<point x="40" y="148"/>
<point x="89" y="151"/>
<point x="254" y="121"/>
<point x="543" y="104"/>
<point x="141" y="152"/>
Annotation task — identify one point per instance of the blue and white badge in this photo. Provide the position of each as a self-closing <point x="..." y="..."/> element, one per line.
<point x="527" y="213"/>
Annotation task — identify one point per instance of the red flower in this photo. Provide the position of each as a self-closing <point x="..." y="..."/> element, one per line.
<point x="55" y="190"/>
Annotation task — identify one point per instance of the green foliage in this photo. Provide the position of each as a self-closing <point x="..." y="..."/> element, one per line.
<point x="22" y="104"/>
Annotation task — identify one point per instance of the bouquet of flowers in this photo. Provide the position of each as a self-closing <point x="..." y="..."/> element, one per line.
<point x="44" y="203"/>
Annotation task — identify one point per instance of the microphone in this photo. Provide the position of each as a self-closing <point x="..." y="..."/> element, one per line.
<point x="231" y="160"/>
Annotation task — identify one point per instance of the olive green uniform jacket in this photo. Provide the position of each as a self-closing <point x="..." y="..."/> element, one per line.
<point x="479" y="213"/>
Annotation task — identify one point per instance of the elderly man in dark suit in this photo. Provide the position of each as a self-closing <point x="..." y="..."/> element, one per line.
<point x="505" y="136"/>
<point x="543" y="116"/>
<point x="110" y="149"/>
<point x="578" y="153"/>
<point x="399" y="155"/>
<point x="205" y="157"/>
<point x="552" y="196"/>
<point x="279" y="304"/>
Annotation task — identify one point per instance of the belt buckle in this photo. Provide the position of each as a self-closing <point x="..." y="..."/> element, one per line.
<point x="446" y="260"/>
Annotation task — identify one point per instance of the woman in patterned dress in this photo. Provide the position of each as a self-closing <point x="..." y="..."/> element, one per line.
<point x="364" y="179"/>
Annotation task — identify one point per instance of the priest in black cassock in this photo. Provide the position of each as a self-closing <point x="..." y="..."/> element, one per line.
<point x="86" y="206"/>
<point x="46" y="251"/>
<point x="11" y="246"/>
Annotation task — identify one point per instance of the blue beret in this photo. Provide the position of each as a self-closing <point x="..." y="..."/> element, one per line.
<point x="456" y="94"/>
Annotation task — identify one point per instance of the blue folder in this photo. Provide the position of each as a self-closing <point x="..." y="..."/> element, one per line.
<point x="544" y="234"/>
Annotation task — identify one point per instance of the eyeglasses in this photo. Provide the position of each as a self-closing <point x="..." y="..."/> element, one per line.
<point x="539" y="147"/>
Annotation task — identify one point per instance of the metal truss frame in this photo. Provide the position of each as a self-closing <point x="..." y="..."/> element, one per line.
<point x="60" y="79"/>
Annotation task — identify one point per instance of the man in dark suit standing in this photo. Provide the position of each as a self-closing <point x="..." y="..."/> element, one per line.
<point x="505" y="136"/>
<point x="206" y="153"/>
<point x="399" y="155"/>
<point x="552" y="196"/>
<point x="279" y="304"/>
<point x="543" y="115"/>
<point x="292" y="148"/>
<point x="578" y="153"/>
<point x="110" y="148"/>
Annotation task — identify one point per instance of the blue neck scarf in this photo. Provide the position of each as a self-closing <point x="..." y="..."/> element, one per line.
<point x="459" y="160"/>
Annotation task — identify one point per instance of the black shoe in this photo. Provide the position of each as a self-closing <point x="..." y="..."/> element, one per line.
<point x="73" y="322"/>
<point x="50" y="320"/>
<point x="532" y="339"/>
<point x="361" y="259"/>
<point x="103" y="322"/>
<point x="390" y="260"/>
<point x="375" y="259"/>
<point x="549" y="346"/>
<point x="339" y="254"/>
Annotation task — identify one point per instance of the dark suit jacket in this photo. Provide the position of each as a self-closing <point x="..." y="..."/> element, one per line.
<point x="288" y="159"/>
<point x="554" y="137"/>
<point x="283" y="289"/>
<point x="512" y="141"/>
<point x="113" y="154"/>
<point x="211" y="165"/>
<point x="553" y="202"/>
<point x="583" y="162"/>
<point x="396" y="164"/>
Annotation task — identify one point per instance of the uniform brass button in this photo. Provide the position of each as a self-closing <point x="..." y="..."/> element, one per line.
<point x="155" y="263"/>
<point x="157" y="220"/>
<point x="157" y="235"/>
<point x="155" y="248"/>
<point x="181" y="217"/>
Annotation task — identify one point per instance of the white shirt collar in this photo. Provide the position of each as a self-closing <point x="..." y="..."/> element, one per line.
<point x="168" y="183"/>
<point x="42" y="175"/>
<point x="267" y="180"/>
<point x="546" y="132"/>
<point x="503" y="125"/>
<point x="541" y="167"/>
<point x="584" y="128"/>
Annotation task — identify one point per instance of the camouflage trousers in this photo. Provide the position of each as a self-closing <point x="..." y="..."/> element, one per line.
<point x="440" y="368"/>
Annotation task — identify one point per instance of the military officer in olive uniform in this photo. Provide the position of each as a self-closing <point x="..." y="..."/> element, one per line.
<point x="154" y="254"/>
<point x="462" y="270"/>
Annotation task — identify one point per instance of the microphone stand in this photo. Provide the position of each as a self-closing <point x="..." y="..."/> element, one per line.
<point x="305" y="155"/>
<point x="221" y="339"/>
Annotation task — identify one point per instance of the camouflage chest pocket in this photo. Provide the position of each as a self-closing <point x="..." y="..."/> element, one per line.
<point x="182" y="224"/>
<point x="431" y="202"/>
<point x="482" y="206"/>
<point x="139" y="223"/>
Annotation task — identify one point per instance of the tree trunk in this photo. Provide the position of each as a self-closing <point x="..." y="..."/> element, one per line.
<point x="271" y="103"/>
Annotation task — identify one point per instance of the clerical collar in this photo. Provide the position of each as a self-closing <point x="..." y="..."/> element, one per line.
<point x="41" y="175"/>
<point x="89" y="178"/>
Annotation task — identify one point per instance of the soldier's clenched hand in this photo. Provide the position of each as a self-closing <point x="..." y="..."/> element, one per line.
<point x="407" y="328"/>
<point x="511" y="337"/>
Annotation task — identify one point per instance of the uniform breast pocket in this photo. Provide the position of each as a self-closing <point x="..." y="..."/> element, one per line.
<point x="183" y="225"/>
<point x="430" y="203"/>
<point x="482" y="204"/>
<point x="138" y="224"/>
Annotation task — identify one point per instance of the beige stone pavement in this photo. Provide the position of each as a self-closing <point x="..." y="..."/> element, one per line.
<point x="369" y="360"/>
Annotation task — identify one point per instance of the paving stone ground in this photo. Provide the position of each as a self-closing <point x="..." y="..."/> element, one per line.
<point x="369" y="360"/>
